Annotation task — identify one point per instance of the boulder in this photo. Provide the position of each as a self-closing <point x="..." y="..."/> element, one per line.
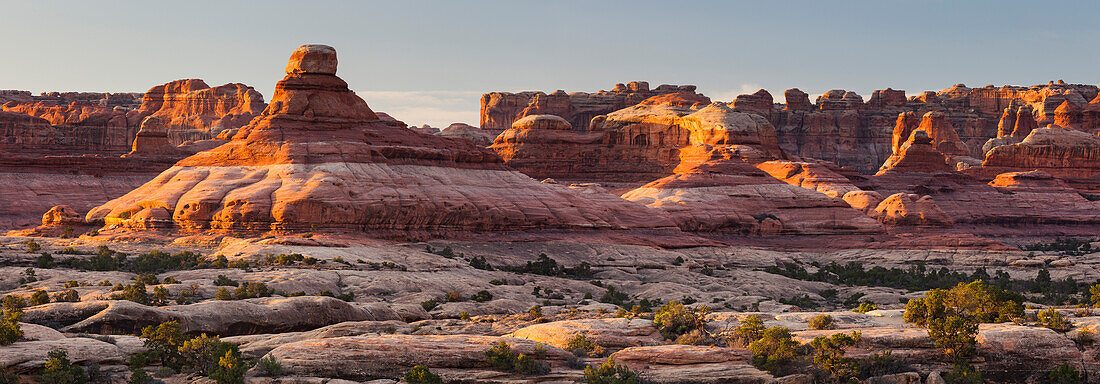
<point x="692" y="364"/>
<point x="608" y="333"/>
<point x="227" y="318"/>
<point x="27" y="356"/>
<point x="906" y="209"/>
<point x="387" y="356"/>
<point x="61" y="215"/>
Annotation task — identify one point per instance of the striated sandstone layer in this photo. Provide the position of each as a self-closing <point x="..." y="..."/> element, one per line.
<point x="500" y="109"/>
<point x="729" y="195"/>
<point x="318" y="157"/>
<point x="189" y="110"/>
<point x="1068" y="154"/>
<point x="637" y="144"/>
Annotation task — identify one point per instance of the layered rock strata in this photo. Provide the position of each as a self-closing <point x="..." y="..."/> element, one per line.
<point x="318" y="157"/>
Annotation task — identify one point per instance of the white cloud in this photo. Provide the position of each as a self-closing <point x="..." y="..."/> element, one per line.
<point x="436" y="108"/>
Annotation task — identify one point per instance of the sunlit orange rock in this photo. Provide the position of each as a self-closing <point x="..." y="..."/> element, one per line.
<point x="906" y="209"/>
<point x="319" y="157"/>
<point x="500" y="109"/>
<point x="62" y="215"/>
<point x="730" y="195"/>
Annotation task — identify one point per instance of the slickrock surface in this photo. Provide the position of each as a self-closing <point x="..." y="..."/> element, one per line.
<point x="319" y="157"/>
<point x="388" y="356"/>
<point x="608" y="333"/>
<point x="731" y="195"/>
<point x="229" y="318"/>
<point x="692" y="364"/>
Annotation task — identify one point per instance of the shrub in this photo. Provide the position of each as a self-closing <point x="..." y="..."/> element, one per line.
<point x="978" y="300"/>
<point x="223" y="294"/>
<point x="139" y="376"/>
<point x="45" y="261"/>
<point x="163" y="342"/>
<point x="201" y="353"/>
<point x="1064" y="374"/>
<point x="610" y="373"/>
<point x="39" y="297"/>
<point x="28" y="276"/>
<point x="59" y="370"/>
<point x="230" y="368"/>
<point x="482" y="296"/>
<point x="429" y="304"/>
<point x="1094" y="295"/>
<point x="502" y="357"/>
<point x="421" y="375"/>
<point x="821" y="321"/>
<point x="956" y="335"/>
<point x="70" y="296"/>
<point x="222" y="280"/>
<point x="453" y="297"/>
<point x="270" y="366"/>
<point x="9" y="327"/>
<point x="464" y="316"/>
<point x="828" y="355"/>
<point x="695" y="337"/>
<point x="33" y="246"/>
<point x="613" y="296"/>
<point x="963" y="373"/>
<point x="1084" y="337"/>
<point x="865" y="307"/>
<point x="239" y="264"/>
<point x="498" y="282"/>
<point x="581" y="346"/>
<point x="13" y="303"/>
<point x="534" y="313"/>
<point x="1050" y="318"/>
<point x="748" y="331"/>
<point x="134" y="292"/>
<point x="250" y="289"/>
<point x="478" y="262"/>
<point x="674" y="319"/>
<point x="774" y="350"/>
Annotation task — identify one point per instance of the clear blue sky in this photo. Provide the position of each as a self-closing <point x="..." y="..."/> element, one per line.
<point x="428" y="61"/>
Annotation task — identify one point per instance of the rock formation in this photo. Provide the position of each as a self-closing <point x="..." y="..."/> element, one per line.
<point x="1068" y="154"/>
<point x="318" y="157"/>
<point x="916" y="154"/>
<point x="500" y="109"/>
<point x="189" y="110"/>
<point x="465" y="131"/>
<point x="906" y="209"/>
<point x="729" y="195"/>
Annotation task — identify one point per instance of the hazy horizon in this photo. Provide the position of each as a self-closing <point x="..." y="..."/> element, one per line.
<point x="428" y="62"/>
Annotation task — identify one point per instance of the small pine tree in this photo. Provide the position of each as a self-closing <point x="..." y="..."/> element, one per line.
<point x="609" y="373"/>
<point x="9" y="327"/>
<point x="421" y="375"/>
<point x="59" y="370"/>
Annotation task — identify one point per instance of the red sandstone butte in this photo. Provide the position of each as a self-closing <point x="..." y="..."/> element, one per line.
<point x="319" y="157"/>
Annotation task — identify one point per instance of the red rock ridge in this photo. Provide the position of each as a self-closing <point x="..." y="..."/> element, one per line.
<point x="318" y="157"/>
<point x="500" y="109"/>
